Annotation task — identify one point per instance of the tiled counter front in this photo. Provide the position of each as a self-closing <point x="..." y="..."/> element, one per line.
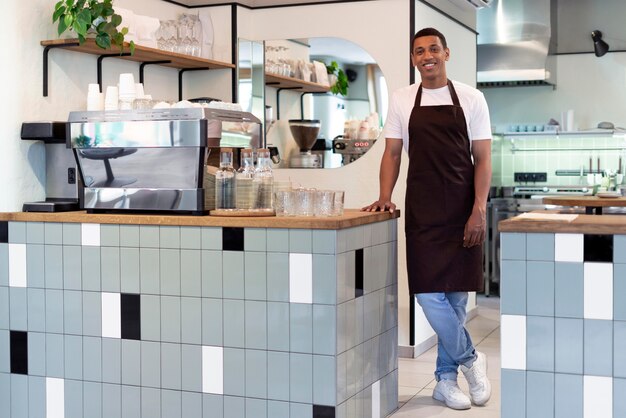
<point x="105" y="321"/>
<point x="563" y="304"/>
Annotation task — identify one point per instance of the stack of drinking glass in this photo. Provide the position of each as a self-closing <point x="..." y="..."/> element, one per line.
<point x="308" y="202"/>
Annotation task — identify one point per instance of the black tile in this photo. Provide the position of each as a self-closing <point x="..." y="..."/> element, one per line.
<point x="131" y="321"/>
<point x="598" y="248"/>
<point x="19" y="352"/>
<point x="4" y="231"/>
<point x="322" y="411"/>
<point x="358" y="273"/>
<point x="232" y="239"/>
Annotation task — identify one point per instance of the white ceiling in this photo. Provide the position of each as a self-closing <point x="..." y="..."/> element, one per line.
<point x="251" y="3"/>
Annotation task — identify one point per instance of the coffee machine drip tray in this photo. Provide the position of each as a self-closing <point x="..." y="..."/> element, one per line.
<point x="51" y="205"/>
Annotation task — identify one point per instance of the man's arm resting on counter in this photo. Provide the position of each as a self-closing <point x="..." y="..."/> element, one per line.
<point x="475" y="228"/>
<point x="389" y="170"/>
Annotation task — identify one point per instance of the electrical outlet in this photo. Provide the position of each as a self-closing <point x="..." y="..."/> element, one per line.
<point x="523" y="177"/>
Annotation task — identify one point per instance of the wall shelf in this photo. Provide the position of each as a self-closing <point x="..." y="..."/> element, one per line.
<point x="591" y="132"/>
<point x="282" y="82"/>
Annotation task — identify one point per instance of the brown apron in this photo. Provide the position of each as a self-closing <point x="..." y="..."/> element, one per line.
<point x="439" y="201"/>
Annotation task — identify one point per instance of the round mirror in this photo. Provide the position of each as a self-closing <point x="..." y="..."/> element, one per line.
<point x="330" y="83"/>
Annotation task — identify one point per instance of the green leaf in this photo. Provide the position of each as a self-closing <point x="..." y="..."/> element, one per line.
<point x="124" y="31"/>
<point x="96" y="10"/>
<point x="81" y="39"/>
<point x="80" y="28"/>
<point x="103" y="40"/>
<point x="69" y="3"/>
<point x="58" y="13"/>
<point x="62" y="26"/>
<point x="84" y="17"/>
<point x="116" y="20"/>
<point x="69" y="20"/>
<point x="132" y="47"/>
<point x="101" y="25"/>
<point x="56" y="6"/>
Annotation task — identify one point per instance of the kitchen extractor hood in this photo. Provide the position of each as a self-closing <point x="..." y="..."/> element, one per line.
<point x="514" y="42"/>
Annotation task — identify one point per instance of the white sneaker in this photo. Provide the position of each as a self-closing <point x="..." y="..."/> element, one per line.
<point x="449" y="392"/>
<point x="479" y="386"/>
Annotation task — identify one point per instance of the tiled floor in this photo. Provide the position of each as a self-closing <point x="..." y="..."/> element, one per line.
<point x="416" y="378"/>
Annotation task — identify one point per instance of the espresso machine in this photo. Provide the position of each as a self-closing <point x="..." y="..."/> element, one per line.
<point x="351" y="149"/>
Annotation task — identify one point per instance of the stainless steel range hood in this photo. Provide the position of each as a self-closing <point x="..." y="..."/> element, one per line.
<point x="514" y="43"/>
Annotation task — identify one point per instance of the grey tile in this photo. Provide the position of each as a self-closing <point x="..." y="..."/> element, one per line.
<point x="568" y="396"/>
<point x="91" y="268"/>
<point x="211" y="274"/>
<point x="234" y="323"/>
<point x="513" y="393"/>
<point x="34" y="233"/>
<point x="5" y="351"/>
<point x="619" y="401"/>
<point x="72" y="234"/>
<point x="35" y="265"/>
<point x="36" y="309"/>
<point x="54" y="266"/>
<point x="324" y="241"/>
<point x="53" y="233"/>
<point x="170" y="319"/>
<point x="256" y="324"/>
<point x="277" y="409"/>
<point x="4" y="307"/>
<point x="300" y="241"/>
<point x="111" y="360"/>
<point x="350" y="329"/>
<point x="17" y="232"/>
<point x="342" y="340"/>
<point x="278" y="375"/>
<point x="539" y="394"/>
<point x="111" y="401"/>
<point x="73" y="312"/>
<point x="569" y="286"/>
<point x="540" y="247"/>
<point x="191" y="368"/>
<point x="191" y="405"/>
<point x="54" y="355"/>
<point x="131" y="402"/>
<point x="72" y="267"/>
<point x="301" y="410"/>
<point x="110" y="268"/>
<point x="150" y="317"/>
<point x="151" y="364"/>
<point x="354" y="238"/>
<point x="301" y="327"/>
<point x="4" y="264"/>
<point x="256" y="374"/>
<point x="513" y="246"/>
<point x="324" y="380"/>
<point x="150" y="281"/>
<point x="619" y="291"/>
<point x="256" y="408"/>
<point x="131" y="362"/>
<point x="342" y="240"/>
<point x="171" y="404"/>
<point x="5" y="394"/>
<point x="212" y="406"/>
<point x="513" y="287"/>
<point x="191" y="320"/>
<point x="233" y="277"/>
<point x="171" y="363"/>
<point x="73" y="352"/>
<point x="278" y="277"/>
<point x="190" y="237"/>
<point x="36" y="354"/>
<point x="211" y="238"/>
<point x="109" y="235"/>
<point x="129" y="236"/>
<point x="278" y="326"/>
<point x="324" y="329"/>
<point x="170" y="236"/>
<point x="598" y="347"/>
<point x="129" y="270"/>
<point x="54" y="311"/>
<point x="149" y="236"/>
<point x="301" y="378"/>
<point x="254" y="239"/>
<point x="170" y="272"/>
<point x="19" y="396"/>
<point x="212" y="322"/>
<point x="619" y="249"/>
<point x="234" y="372"/>
<point x="540" y="288"/>
<point x="190" y="273"/>
<point x="36" y="397"/>
<point x="234" y="407"/>
<point x="150" y="402"/>
<point x="619" y="349"/>
<point x="92" y="314"/>
<point x="277" y="240"/>
<point x="324" y="279"/>
<point x="73" y="398"/>
<point x="568" y="345"/>
<point x="92" y="359"/>
<point x="92" y="399"/>
<point x="255" y="275"/>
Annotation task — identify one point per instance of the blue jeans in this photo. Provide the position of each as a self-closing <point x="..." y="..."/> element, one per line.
<point x="446" y="313"/>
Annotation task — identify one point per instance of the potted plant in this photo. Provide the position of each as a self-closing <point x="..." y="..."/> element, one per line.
<point x="338" y="79"/>
<point x="91" y="17"/>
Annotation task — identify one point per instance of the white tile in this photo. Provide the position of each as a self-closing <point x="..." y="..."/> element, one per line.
<point x="300" y="278"/>
<point x="17" y="265"/>
<point x="213" y="370"/>
<point x="568" y="247"/>
<point x="598" y="285"/>
<point x="597" y="397"/>
<point x="55" y="398"/>
<point x="90" y="234"/>
<point x="376" y="399"/>
<point x="111" y="315"/>
<point x="513" y="341"/>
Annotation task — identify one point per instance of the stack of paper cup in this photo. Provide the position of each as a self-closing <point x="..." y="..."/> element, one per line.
<point x="94" y="98"/>
<point x="126" y="91"/>
<point x="111" y="99"/>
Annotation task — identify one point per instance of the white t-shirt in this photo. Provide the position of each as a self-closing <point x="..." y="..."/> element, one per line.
<point x="472" y="101"/>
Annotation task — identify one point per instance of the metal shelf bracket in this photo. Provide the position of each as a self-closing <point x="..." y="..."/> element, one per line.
<point x="143" y="64"/>
<point x="278" y="98"/>
<point x="102" y="57"/>
<point x="180" y="79"/>
<point x="46" y="50"/>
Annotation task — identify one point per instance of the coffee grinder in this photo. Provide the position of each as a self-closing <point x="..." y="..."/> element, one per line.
<point x="305" y="133"/>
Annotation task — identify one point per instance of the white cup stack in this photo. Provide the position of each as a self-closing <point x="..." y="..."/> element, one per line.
<point x="111" y="100"/>
<point x="94" y="98"/>
<point x="139" y="92"/>
<point x="127" y="92"/>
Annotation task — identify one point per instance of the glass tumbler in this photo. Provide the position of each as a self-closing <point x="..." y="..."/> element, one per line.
<point x="324" y="202"/>
<point x="280" y="200"/>
<point x="338" y="203"/>
<point x="305" y="199"/>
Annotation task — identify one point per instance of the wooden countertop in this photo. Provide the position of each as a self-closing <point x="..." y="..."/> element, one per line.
<point x="583" y="224"/>
<point x="350" y="218"/>
<point x="587" y="201"/>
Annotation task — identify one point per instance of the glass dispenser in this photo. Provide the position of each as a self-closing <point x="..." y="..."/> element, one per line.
<point x="264" y="180"/>
<point x="245" y="181"/>
<point x="225" y="192"/>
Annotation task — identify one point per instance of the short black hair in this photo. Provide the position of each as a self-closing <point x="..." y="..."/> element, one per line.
<point x="429" y="32"/>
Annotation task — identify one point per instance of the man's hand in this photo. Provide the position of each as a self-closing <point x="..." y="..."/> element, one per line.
<point x="380" y="205"/>
<point x="475" y="229"/>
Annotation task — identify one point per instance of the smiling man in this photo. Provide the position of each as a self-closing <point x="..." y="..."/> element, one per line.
<point x="445" y="128"/>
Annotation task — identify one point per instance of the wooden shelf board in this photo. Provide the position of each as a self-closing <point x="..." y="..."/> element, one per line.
<point x="143" y="54"/>
<point x="279" y="81"/>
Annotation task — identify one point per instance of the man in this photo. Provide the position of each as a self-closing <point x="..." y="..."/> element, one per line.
<point x="445" y="128"/>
